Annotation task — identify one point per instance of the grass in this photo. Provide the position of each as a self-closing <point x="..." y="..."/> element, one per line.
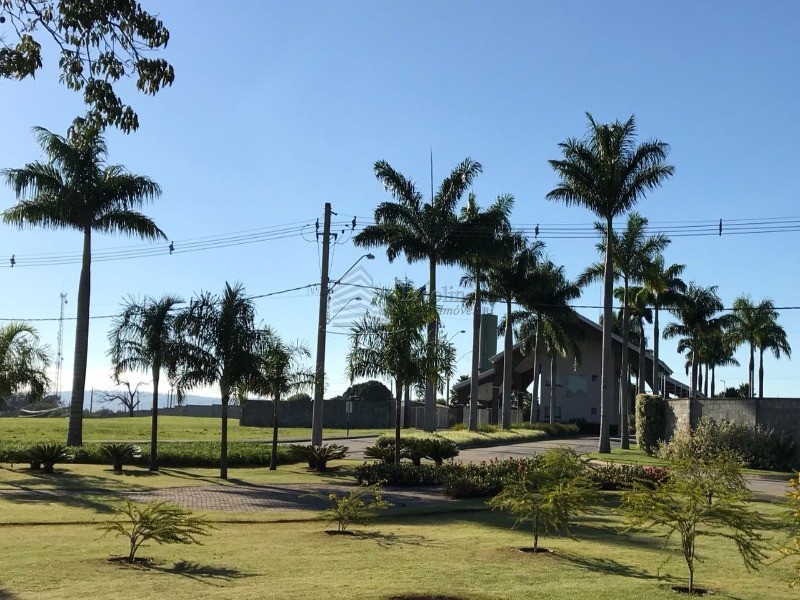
<point x="458" y="555"/>
<point x="170" y="429"/>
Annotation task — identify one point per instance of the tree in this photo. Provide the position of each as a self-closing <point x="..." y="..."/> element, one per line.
<point x="639" y="312"/>
<point x="773" y="337"/>
<point x="222" y="347"/>
<point x="144" y="337"/>
<point x="99" y="43"/>
<point x="695" y="311"/>
<point x="700" y="497"/>
<point x="749" y="322"/>
<point x="631" y="252"/>
<point x="661" y="287"/>
<point x="508" y="280"/>
<point x="479" y="255"/>
<point x="369" y="391"/>
<point x="423" y="231"/>
<point x="23" y="361"/>
<point x="129" y="398"/>
<point x="549" y="495"/>
<point x="76" y="189"/>
<point x="392" y="344"/>
<point x="280" y="373"/>
<point x="607" y="172"/>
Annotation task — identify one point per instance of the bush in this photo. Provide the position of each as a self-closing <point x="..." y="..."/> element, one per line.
<point x="757" y="447"/>
<point x="551" y="429"/>
<point x="458" y="427"/>
<point x="484" y="428"/>
<point x="439" y="450"/>
<point x="382" y="450"/>
<point x="624" y="477"/>
<point x="46" y="455"/>
<point x="317" y="457"/>
<point x="123" y="452"/>
<point x="651" y="415"/>
<point x="404" y="474"/>
<point x="354" y="508"/>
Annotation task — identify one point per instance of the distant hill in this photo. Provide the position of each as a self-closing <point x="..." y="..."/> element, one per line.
<point x="145" y="400"/>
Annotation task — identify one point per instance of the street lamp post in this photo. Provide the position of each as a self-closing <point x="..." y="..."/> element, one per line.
<point x="322" y="330"/>
<point x="450" y="339"/>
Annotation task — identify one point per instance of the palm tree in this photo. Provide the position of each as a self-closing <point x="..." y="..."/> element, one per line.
<point x="661" y="287"/>
<point x="773" y="337"/>
<point x="632" y="251"/>
<point x="144" y="338"/>
<point x="640" y="312"/>
<point x="607" y="172"/>
<point x="23" y="361"/>
<point x="393" y="343"/>
<point x="76" y="189"/>
<point x="717" y="350"/>
<point x="481" y="252"/>
<point x="508" y="280"/>
<point x="223" y="346"/>
<point x="280" y="374"/>
<point x="561" y="336"/>
<point x="423" y="231"/>
<point x="696" y="311"/>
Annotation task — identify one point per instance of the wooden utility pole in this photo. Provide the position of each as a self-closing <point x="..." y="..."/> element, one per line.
<point x="322" y="330"/>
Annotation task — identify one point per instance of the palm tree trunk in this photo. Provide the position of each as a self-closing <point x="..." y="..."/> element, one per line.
<point x="752" y="376"/>
<point x="430" y="386"/>
<point x="154" y="421"/>
<point x="508" y="364"/>
<point x="623" y="409"/>
<point x="713" y="378"/>
<point x="705" y="382"/>
<point x="536" y="369"/>
<point x="552" y="386"/>
<point x="760" y="372"/>
<point x="407" y="418"/>
<point x="693" y="390"/>
<point x="476" y="345"/>
<point x="699" y="377"/>
<point x="223" y="442"/>
<point x="642" y="361"/>
<point x="656" y="379"/>
<point x="75" y="431"/>
<point x="399" y="394"/>
<point x="607" y="370"/>
<point x="273" y="455"/>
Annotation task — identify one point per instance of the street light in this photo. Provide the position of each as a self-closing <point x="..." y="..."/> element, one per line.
<point x="356" y="299"/>
<point x="322" y="331"/>
<point x="447" y="397"/>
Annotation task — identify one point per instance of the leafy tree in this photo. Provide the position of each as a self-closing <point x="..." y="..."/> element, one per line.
<point x="482" y="251"/>
<point x="700" y="498"/>
<point x="549" y="495"/>
<point x="369" y="391"/>
<point x="299" y="397"/>
<point x="607" y="172"/>
<point x="23" y="361"/>
<point x="76" y="189"/>
<point x="423" y="231"/>
<point x="631" y="251"/>
<point x="661" y="286"/>
<point x="792" y="547"/>
<point x="280" y="373"/>
<point x="508" y="281"/>
<point x="144" y="337"/>
<point x="99" y="43"/>
<point x="129" y="398"/>
<point x="222" y="347"/>
<point x="392" y="344"/>
<point x="159" y="522"/>
<point x="354" y="507"/>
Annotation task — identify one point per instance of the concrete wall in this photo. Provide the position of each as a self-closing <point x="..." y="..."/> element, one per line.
<point x="194" y="410"/>
<point x="366" y="414"/>
<point x="780" y="414"/>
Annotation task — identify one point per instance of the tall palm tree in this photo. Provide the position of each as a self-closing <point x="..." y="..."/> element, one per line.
<point x="632" y="250"/>
<point x="223" y="346"/>
<point x="280" y="373"/>
<point x="696" y="311"/>
<point x="393" y="343"/>
<point x="144" y="338"/>
<point x="561" y="337"/>
<point x="773" y="338"/>
<point x="608" y="173"/>
<point x="717" y="350"/>
<point x="23" y="361"/>
<point x="76" y="189"/>
<point x="507" y="282"/>
<point x="423" y="231"/>
<point x="661" y="286"/>
<point x="639" y="312"/>
<point x="481" y="251"/>
<point x="751" y="323"/>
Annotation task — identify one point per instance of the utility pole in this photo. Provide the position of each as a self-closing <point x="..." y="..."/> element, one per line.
<point x="60" y="344"/>
<point x="319" y="380"/>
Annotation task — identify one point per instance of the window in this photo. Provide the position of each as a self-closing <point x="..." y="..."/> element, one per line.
<point x="594" y="378"/>
<point x="558" y="412"/>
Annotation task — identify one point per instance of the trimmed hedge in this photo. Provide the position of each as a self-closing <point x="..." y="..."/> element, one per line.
<point x="651" y="416"/>
<point x="170" y="454"/>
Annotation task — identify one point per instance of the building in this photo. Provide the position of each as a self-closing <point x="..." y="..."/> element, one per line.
<point x="577" y="390"/>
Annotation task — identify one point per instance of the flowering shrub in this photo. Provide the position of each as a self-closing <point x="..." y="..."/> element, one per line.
<point x="623" y="477"/>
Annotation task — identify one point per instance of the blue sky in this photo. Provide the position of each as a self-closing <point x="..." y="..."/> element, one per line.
<point x="278" y="107"/>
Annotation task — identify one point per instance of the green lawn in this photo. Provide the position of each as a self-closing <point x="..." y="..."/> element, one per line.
<point x="457" y="555"/>
<point x="170" y="428"/>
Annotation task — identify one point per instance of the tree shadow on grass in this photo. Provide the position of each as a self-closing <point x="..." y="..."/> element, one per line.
<point x="98" y="500"/>
<point x="6" y="595"/>
<point x="608" y="566"/>
<point x="208" y="574"/>
<point x="389" y="540"/>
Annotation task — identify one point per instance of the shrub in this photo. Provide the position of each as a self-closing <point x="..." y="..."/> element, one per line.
<point x="624" y="477"/>
<point x="481" y="480"/>
<point x="651" y="415"/>
<point x="382" y="451"/>
<point x="792" y="546"/>
<point x="485" y="428"/>
<point x="458" y="427"/>
<point x="122" y="452"/>
<point x="160" y="522"/>
<point x="317" y="457"/>
<point x="46" y="455"/>
<point x="354" y="507"/>
<point x="404" y="474"/>
<point x="439" y="450"/>
<point x="551" y="429"/>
